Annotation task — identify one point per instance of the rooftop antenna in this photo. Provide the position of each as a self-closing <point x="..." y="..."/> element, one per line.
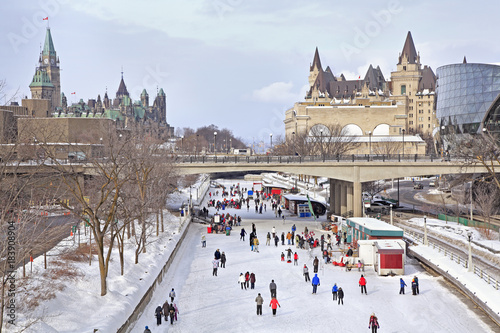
<point x="122" y="71"/>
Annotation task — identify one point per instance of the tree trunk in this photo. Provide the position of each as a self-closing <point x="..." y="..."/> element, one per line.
<point x="103" y="268"/>
<point x="157" y="224"/>
<point x="161" y="216"/>
<point x="128" y="231"/>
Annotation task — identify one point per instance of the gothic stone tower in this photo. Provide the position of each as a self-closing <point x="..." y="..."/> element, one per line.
<point x="41" y="87"/>
<point x="49" y="62"/>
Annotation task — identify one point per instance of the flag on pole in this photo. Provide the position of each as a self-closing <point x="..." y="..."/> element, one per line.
<point x="359" y="77"/>
<point x="46" y="18"/>
<point x="311" y="207"/>
<point x="73" y="93"/>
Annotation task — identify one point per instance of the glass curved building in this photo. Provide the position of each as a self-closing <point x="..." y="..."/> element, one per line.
<point x="468" y="97"/>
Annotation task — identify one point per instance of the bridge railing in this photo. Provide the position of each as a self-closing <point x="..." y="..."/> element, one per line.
<point x="284" y="159"/>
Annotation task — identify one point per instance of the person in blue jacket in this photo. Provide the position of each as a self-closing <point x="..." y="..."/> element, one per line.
<point x="402" y="285"/>
<point x="315" y="283"/>
<point x="335" y="289"/>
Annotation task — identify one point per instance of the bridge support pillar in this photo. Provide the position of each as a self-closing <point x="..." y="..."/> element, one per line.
<point x="350" y="201"/>
<point x="337" y="197"/>
<point x="357" y="200"/>
<point x="343" y="198"/>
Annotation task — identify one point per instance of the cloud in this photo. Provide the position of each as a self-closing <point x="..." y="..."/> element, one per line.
<point x="279" y="92"/>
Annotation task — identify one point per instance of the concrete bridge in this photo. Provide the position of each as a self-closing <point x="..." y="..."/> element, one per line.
<point x="346" y="175"/>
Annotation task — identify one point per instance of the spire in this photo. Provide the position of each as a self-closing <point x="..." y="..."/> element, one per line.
<point x="409" y="50"/>
<point x="122" y="88"/>
<point x="48" y="47"/>
<point x="316" y="62"/>
<point x="465" y="60"/>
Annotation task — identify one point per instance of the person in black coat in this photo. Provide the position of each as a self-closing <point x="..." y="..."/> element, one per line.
<point x="340" y="296"/>
<point x="282" y="238"/>
<point x="158" y="313"/>
<point x="171" y="309"/>
<point x="222" y="261"/>
<point x="217" y="254"/>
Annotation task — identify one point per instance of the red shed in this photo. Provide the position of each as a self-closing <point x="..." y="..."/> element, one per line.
<point x="389" y="258"/>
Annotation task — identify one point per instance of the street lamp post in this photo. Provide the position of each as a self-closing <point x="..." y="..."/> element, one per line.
<point x="426" y="242"/>
<point x="392" y="223"/>
<point x="370" y="145"/>
<point x="403" y="144"/>
<point x="215" y="140"/>
<point x="271" y="138"/>
<point x="230" y="144"/>
<point x="293" y="143"/>
<point x="470" y="266"/>
<point x="471" y="213"/>
<point x="182" y="143"/>
<point x="321" y="143"/>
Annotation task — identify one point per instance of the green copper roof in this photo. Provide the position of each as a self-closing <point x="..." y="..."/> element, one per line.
<point x="41" y="79"/>
<point x="161" y="93"/>
<point x="48" y="47"/>
<point x="144" y="93"/>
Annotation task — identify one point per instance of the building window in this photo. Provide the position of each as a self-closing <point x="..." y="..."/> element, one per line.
<point x="428" y="125"/>
<point x="404" y="68"/>
<point x="403" y="90"/>
<point x="410" y="108"/>
<point x="420" y="118"/>
<point x="429" y="118"/>
<point x="411" y="122"/>
<point x="411" y="115"/>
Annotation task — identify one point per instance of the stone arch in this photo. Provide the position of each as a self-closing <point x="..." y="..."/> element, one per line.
<point x="382" y="129"/>
<point x="315" y="130"/>
<point x="352" y="130"/>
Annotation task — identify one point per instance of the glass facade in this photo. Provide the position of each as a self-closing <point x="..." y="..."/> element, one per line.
<point x="465" y="93"/>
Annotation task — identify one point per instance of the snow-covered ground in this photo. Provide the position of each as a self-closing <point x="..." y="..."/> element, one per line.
<point x="217" y="304"/>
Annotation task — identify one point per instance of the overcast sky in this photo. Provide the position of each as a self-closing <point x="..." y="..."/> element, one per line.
<point x="237" y="64"/>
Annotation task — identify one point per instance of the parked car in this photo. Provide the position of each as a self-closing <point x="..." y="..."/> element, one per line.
<point x="377" y="207"/>
<point x="432" y="183"/>
<point x="418" y="186"/>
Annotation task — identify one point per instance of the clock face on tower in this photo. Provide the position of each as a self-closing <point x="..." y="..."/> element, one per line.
<point x="52" y="61"/>
<point x="45" y="61"/>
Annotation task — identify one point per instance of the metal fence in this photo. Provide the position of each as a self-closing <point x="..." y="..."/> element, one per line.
<point x="305" y="159"/>
<point x="483" y="274"/>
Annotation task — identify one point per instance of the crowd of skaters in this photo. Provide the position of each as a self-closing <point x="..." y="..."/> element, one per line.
<point x="304" y="240"/>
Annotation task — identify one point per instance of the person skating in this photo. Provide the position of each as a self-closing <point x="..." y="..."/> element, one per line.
<point x="259" y="301"/>
<point x="289" y="255"/>
<point x="215" y="265"/>
<point x="256" y="244"/>
<point x="276" y="240"/>
<point x="373" y="323"/>
<point x="402" y="286"/>
<point x="413" y="286"/>
<point x="165" y="308"/>
<point x="416" y="282"/>
<point x="349" y="252"/>
<point x="252" y="281"/>
<point x="158" y="314"/>
<point x="203" y="240"/>
<point x="283" y="238"/>
<point x="340" y="295"/>
<point x="315" y="283"/>
<point x="241" y="281"/>
<point x="247" y="280"/>
<point x="362" y="284"/>
<point x="147" y="330"/>
<point x="217" y="254"/>
<point x="268" y="239"/>
<point x="282" y="256"/>
<point x="315" y="264"/>
<point x="305" y="271"/>
<point x="171" y="294"/>
<point x="273" y="230"/>
<point x="223" y="260"/>
<point x="171" y="311"/>
<point x="272" y="288"/>
<point x="295" y="259"/>
<point x="335" y="290"/>
<point x="242" y="234"/>
<point x="274" y="305"/>
<point x="176" y="312"/>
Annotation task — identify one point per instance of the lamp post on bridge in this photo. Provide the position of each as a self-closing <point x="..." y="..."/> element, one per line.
<point x="271" y="138"/>
<point x="370" y="145"/>
<point x="215" y="140"/>
<point x="403" y="143"/>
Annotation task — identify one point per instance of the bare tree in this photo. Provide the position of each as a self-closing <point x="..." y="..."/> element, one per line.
<point x="390" y="146"/>
<point x="486" y="200"/>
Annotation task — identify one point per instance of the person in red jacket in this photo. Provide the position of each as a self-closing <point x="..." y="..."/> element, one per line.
<point x="362" y="284"/>
<point x="274" y="305"/>
<point x="295" y="259"/>
<point x="373" y="323"/>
